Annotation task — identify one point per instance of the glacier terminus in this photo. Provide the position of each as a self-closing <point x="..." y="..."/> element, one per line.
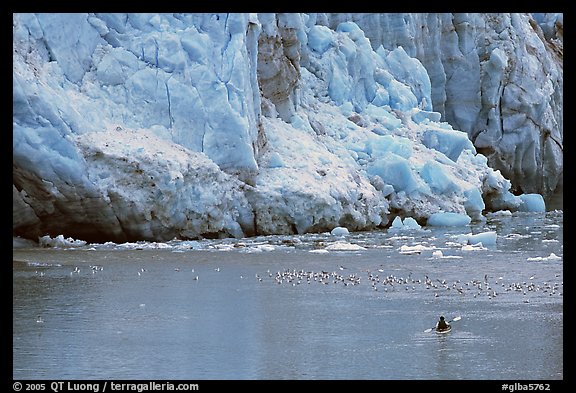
<point x="151" y="127"/>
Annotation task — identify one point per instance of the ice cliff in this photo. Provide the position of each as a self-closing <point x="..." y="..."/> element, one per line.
<point x="498" y="77"/>
<point x="155" y="126"/>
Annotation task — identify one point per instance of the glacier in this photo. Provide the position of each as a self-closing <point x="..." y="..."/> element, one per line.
<point x="131" y="127"/>
<point x="498" y="77"/>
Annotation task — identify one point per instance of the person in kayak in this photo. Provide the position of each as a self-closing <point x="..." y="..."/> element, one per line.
<point x="442" y="325"/>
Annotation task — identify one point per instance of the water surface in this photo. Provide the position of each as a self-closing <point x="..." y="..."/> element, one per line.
<point x="283" y="307"/>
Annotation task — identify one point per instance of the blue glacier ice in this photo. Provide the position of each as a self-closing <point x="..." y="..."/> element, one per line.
<point x="448" y="219"/>
<point x="532" y="203"/>
<point x="151" y="126"/>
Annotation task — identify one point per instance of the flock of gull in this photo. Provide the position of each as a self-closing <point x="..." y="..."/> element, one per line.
<point x="378" y="281"/>
<point x="489" y="287"/>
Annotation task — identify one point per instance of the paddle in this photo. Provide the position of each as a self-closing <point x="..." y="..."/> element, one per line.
<point x="453" y="320"/>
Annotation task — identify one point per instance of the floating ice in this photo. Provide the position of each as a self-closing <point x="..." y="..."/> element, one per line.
<point x="407" y="224"/>
<point x="43" y="264"/>
<point x="258" y="248"/>
<point x="498" y="213"/>
<point x="448" y="219"/>
<point x="516" y="236"/>
<point x="440" y="255"/>
<point x="416" y="249"/>
<point x="551" y="257"/>
<point x="485" y="238"/>
<point x="144" y="246"/>
<point x="339" y="231"/>
<point x="265" y="247"/>
<point x="532" y="203"/>
<point x="473" y="247"/>
<point x="60" y="241"/>
<point x="344" y="246"/>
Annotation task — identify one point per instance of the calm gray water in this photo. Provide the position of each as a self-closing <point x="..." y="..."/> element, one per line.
<point x="270" y="308"/>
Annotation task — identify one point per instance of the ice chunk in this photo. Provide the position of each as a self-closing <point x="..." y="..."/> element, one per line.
<point x="352" y="28"/>
<point x="411" y="223"/>
<point x="378" y="145"/>
<point x="397" y="223"/>
<point x="499" y="213"/>
<point x="474" y="203"/>
<point x="448" y="219"/>
<point x="449" y="142"/>
<point x="339" y="231"/>
<point x="411" y="72"/>
<point x="320" y="38"/>
<point x="344" y="246"/>
<point x="394" y="170"/>
<point x="485" y="238"/>
<point x="60" y="241"/>
<point x="421" y="116"/>
<point x="473" y="247"/>
<point x="416" y="249"/>
<point x="407" y="224"/>
<point x="401" y="96"/>
<point x="551" y="257"/>
<point x="435" y="176"/>
<point x="383" y="116"/>
<point x="532" y="203"/>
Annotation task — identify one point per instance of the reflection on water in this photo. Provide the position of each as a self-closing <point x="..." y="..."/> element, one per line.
<point x="215" y="311"/>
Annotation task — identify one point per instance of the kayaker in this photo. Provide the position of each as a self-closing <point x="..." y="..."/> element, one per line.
<point x="442" y="325"/>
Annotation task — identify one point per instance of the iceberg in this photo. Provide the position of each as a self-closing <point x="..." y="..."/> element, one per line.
<point x="60" y="242"/>
<point x="416" y="249"/>
<point x="133" y="127"/>
<point x="448" y="219"/>
<point x="487" y="238"/>
<point x="406" y="224"/>
<point x="340" y="231"/>
<point x="344" y="246"/>
<point x="532" y="203"/>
